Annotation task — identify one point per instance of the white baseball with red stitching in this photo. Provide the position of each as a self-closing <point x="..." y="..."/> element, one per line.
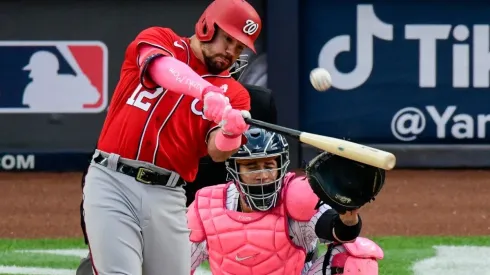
<point x="320" y="79"/>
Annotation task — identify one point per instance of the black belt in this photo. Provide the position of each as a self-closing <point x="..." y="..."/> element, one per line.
<point x="140" y="174"/>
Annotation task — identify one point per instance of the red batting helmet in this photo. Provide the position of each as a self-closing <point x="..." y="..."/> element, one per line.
<point x="236" y="17"/>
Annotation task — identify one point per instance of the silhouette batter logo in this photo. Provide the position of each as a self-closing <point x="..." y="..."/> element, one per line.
<point x="53" y="77"/>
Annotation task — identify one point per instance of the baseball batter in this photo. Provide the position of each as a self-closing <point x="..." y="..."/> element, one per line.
<point x="267" y="222"/>
<point x="175" y="103"/>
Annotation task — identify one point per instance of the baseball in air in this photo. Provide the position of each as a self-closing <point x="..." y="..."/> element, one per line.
<point x="320" y="79"/>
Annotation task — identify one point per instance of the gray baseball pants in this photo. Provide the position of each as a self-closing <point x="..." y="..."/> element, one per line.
<point x="134" y="228"/>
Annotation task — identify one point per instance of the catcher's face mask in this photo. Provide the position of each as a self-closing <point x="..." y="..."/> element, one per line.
<point x="259" y="167"/>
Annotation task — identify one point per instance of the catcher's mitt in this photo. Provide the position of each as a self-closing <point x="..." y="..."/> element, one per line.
<point x="342" y="183"/>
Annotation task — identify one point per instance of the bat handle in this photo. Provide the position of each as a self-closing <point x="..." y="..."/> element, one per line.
<point x="258" y="123"/>
<point x="273" y="127"/>
<point x="254" y="122"/>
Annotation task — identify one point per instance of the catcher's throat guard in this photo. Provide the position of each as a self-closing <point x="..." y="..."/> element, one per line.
<point x="342" y="183"/>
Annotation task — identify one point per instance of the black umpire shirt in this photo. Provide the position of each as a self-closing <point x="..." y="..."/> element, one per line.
<point x="212" y="173"/>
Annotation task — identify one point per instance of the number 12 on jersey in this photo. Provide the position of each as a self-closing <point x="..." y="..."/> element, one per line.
<point x="138" y="95"/>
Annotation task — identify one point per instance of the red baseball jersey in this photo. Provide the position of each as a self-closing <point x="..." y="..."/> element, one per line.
<point x="160" y="126"/>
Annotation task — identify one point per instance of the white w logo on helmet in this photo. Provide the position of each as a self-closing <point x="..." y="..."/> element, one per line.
<point x="250" y="27"/>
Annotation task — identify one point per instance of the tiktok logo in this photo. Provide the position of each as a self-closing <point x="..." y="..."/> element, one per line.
<point x="470" y="54"/>
<point x="369" y="26"/>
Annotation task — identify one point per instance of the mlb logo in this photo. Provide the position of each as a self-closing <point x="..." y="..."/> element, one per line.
<point x="53" y="77"/>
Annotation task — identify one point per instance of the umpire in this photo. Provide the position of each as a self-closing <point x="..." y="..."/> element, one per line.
<point x="209" y="173"/>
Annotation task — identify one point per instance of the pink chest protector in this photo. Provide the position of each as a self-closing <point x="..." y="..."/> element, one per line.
<point x="239" y="243"/>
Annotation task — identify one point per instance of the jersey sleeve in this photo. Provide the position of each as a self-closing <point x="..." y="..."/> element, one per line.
<point x="241" y="101"/>
<point x="199" y="254"/>
<point x="150" y="44"/>
<point x="312" y="223"/>
<point x="304" y="234"/>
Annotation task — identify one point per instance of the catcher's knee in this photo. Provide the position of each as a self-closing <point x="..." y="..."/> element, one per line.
<point x="85" y="267"/>
<point x="358" y="258"/>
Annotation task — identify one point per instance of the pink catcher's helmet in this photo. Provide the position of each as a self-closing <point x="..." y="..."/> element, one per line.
<point x="236" y="17"/>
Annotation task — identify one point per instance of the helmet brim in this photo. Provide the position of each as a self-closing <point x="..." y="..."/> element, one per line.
<point x="240" y="36"/>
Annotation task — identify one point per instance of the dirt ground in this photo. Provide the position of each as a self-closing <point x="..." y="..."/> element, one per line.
<point x="413" y="202"/>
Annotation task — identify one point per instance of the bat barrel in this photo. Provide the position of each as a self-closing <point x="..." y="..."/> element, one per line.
<point x="354" y="151"/>
<point x="340" y="147"/>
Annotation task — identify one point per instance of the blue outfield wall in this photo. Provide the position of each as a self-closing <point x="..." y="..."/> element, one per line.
<point x="44" y="161"/>
<point x="411" y="77"/>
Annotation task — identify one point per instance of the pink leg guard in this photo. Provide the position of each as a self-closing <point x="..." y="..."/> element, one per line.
<point x="360" y="258"/>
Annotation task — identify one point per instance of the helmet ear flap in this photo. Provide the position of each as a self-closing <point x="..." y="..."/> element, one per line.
<point x="205" y="30"/>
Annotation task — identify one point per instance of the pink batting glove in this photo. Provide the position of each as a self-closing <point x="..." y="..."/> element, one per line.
<point x="233" y="123"/>
<point x="232" y="127"/>
<point x="214" y="103"/>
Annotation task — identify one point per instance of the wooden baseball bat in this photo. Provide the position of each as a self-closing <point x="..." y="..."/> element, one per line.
<point x="340" y="147"/>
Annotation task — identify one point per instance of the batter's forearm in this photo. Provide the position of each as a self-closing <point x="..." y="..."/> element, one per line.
<point x="173" y="74"/>
<point x="217" y="155"/>
<point x="176" y="76"/>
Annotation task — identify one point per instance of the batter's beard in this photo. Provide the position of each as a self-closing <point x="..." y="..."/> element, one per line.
<point x="212" y="66"/>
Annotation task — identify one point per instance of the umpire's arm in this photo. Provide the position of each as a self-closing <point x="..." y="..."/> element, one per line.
<point x="263" y="104"/>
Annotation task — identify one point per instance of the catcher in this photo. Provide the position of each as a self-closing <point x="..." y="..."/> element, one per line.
<point x="268" y="221"/>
